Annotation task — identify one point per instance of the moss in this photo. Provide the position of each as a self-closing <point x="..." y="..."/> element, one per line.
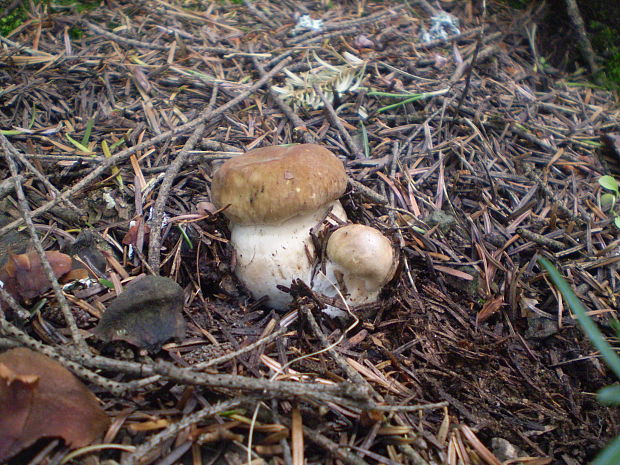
<point x="14" y="19"/>
<point x="10" y="22"/>
<point x="76" y="33"/>
<point x="606" y="41"/>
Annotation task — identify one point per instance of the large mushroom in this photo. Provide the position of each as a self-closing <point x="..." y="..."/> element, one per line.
<point x="360" y="261"/>
<point x="273" y="197"/>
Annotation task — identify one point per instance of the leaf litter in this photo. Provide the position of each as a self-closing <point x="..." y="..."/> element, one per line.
<point x="468" y="349"/>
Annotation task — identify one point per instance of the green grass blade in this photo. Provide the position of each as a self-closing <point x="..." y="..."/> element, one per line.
<point x="399" y="104"/>
<point x="610" y="455"/>
<point x="186" y="238"/>
<point x="609" y="395"/>
<point x="587" y="324"/>
<point x="89" y="129"/>
<point x="78" y="145"/>
<point x="365" y="140"/>
<point x="115" y="170"/>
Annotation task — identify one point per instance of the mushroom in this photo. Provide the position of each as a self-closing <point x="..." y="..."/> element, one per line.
<point x="360" y="261"/>
<point x="273" y="197"/>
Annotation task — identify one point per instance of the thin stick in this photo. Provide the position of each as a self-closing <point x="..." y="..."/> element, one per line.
<point x="298" y="123"/>
<point x="336" y="122"/>
<point x="582" y="36"/>
<point x="8" y="330"/>
<point x="22" y="158"/>
<point x="47" y="268"/>
<point x="158" y="210"/>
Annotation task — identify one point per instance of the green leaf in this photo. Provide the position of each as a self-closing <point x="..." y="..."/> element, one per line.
<point x="587" y="324"/>
<point x="607" y="201"/>
<point x="609" y="182"/>
<point x="609" y="395"/>
<point x="115" y="170"/>
<point x="617" y="221"/>
<point x="107" y="283"/>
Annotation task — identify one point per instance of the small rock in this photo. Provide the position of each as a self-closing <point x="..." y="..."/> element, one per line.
<point x="540" y="328"/>
<point x="504" y="450"/>
<point x="445" y="221"/>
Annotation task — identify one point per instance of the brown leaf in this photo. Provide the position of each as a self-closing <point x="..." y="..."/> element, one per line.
<point x="131" y="237"/>
<point x="40" y="398"/>
<point x="489" y="308"/>
<point x="23" y="275"/>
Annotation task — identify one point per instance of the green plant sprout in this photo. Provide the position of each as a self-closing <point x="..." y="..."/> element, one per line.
<point x="609" y="200"/>
<point x="609" y="395"/>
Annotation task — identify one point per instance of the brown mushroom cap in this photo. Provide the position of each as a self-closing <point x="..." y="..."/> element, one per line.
<point x="272" y="184"/>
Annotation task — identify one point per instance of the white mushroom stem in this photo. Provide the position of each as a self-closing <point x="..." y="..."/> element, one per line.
<point x="360" y="261"/>
<point x="272" y="255"/>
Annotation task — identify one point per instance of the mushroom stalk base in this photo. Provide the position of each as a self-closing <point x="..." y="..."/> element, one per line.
<point x="272" y="255"/>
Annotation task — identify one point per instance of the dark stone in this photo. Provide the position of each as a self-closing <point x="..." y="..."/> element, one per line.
<point x="146" y="314"/>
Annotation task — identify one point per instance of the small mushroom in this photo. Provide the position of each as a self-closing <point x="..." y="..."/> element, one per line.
<point x="360" y="261"/>
<point x="273" y="197"/>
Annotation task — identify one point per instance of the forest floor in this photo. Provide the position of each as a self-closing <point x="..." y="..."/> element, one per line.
<point x="471" y="153"/>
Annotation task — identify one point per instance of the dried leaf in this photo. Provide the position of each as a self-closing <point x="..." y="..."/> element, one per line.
<point x="489" y="308"/>
<point x="87" y="249"/>
<point x="131" y="238"/>
<point x="40" y="398"/>
<point x="23" y="275"/>
<point x="146" y="314"/>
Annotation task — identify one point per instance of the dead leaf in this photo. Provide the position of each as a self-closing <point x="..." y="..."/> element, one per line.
<point x="85" y="250"/>
<point x="23" y="275"/>
<point x="453" y="272"/>
<point x="40" y="398"/>
<point x="489" y="308"/>
<point x="131" y="237"/>
<point x="370" y="417"/>
<point x="146" y="314"/>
